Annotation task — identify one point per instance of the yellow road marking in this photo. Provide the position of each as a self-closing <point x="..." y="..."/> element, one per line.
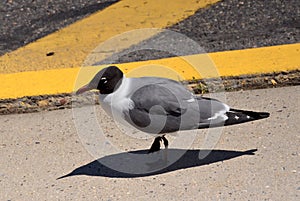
<point x="72" y="44"/>
<point x="228" y="63"/>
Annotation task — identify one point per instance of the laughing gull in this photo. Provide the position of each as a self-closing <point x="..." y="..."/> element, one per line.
<point x="158" y="105"/>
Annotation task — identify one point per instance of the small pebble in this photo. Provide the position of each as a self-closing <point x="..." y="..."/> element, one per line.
<point x="63" y="101"/>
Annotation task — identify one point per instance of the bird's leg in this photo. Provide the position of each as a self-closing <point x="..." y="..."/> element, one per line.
<point x="155" y="145"/>
<point x="166" y="143"/>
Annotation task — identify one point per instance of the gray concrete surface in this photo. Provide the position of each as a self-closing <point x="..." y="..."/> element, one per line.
<point x="38" y="148"/>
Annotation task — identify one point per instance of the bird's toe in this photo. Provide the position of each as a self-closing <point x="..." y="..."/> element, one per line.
<point x="155" y="145"/>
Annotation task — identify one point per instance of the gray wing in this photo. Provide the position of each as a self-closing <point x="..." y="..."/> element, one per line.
<point x="212" y="112"/>
<point x="163" y="106"/>
<point x="158" y="105"/>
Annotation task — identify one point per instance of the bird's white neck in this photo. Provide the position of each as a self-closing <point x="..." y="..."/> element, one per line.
<point x="117" y="102"/>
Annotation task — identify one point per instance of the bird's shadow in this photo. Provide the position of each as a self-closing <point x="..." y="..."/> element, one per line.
<point x="140" y="164"/>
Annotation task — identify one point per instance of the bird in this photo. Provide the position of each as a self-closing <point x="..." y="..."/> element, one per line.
<point x="159" y="106"/>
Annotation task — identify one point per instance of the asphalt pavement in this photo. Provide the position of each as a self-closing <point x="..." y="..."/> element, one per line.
<point x="252" y="161"/>
<point x="226" y="25"/>
<point x="23" y="22"/>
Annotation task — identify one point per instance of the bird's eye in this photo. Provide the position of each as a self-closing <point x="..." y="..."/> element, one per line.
<point x="103" y="80"/>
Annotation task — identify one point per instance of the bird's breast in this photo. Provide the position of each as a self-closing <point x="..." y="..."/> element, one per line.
<point x="116" y="106"/>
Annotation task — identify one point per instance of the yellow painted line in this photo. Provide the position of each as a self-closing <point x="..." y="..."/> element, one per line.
<point x="228" y="63"/>
<point x="72" y="44"/>
<point x="37" y="82"/>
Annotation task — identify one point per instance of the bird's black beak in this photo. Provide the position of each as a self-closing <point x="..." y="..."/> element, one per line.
<point x="83" y="89"/>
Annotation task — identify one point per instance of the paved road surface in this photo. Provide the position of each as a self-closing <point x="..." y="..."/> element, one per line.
<point x="38" y="148"/>
<point x="226" y="25"/>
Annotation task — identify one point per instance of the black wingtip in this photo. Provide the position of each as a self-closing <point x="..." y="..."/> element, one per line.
<point x="254" y="115"/>
<point x="236" y="116"/>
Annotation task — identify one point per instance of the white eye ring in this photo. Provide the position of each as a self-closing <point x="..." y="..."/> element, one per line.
<point x="104" y="78"/>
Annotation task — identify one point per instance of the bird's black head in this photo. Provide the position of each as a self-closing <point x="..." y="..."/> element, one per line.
<point x="106" y="81"/>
